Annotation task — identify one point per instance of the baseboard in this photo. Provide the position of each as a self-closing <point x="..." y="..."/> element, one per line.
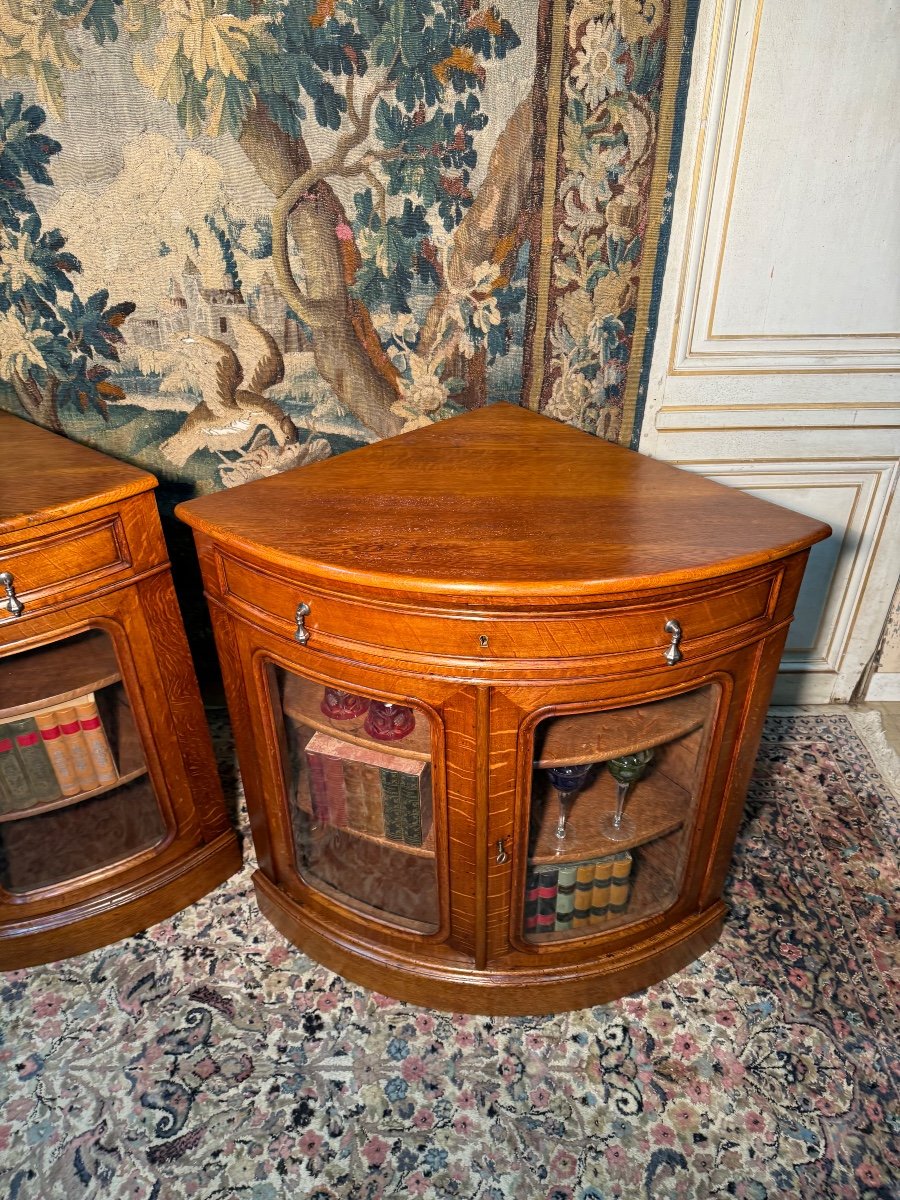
<point x="884" y="685"/>
<point x="793" y="687"/>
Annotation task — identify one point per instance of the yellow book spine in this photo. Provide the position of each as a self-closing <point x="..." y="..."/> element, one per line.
<point x="77" y="747"/>
<point x="58" y="752"/>
<point x="621" y="879"/>
<point x="95" y="737"/>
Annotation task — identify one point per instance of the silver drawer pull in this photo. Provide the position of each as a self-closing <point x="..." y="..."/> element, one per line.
<point x="302" y="633"/>
<point x="673" y="655"/>
<point x="12" y="601"/>
<point x="502" y="856"/>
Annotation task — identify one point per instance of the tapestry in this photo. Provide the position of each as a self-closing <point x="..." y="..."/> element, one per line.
<point x="239" y="237"/>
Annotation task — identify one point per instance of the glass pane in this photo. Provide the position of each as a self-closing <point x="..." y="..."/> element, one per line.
<point x="613" y="804"/>
<point x="360" y="796"/>
<point x="74" y="791"/>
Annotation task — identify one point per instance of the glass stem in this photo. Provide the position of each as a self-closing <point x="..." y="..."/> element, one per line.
<point x="621" y="796"/>
<point x="563" y="799"/>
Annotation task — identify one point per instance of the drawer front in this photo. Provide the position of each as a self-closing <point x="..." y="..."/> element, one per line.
<point x="735" y="612"/>
<point x="55" y="567"/>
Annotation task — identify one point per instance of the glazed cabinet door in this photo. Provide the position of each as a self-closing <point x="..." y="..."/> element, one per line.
<point x="622" y="806"/>
<point x="351" y="815"/>
<point x="78" y="801"/>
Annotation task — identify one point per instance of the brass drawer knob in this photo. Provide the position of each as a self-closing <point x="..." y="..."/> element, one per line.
<point x="673" y="654"/>
<point x="12" y="601"/>
<point x="301" y="633"/>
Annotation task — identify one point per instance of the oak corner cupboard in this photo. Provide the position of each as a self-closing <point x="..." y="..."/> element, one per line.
<point x="497" y="688"/>
<point x="111" y="812"/>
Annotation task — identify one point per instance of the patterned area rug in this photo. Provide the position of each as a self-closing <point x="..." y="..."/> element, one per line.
<point x="206" y="1058"/>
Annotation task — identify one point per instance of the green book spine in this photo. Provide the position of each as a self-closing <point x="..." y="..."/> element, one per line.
<point x="16" y="792"/>
<point x="410" y="810"/>
<point x="42" y="781"/>
<point x="390" y="799"/>
<point x="565" y="897"/>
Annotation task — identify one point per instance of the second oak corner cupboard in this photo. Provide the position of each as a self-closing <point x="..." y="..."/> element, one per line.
<point x="497" y="688"/>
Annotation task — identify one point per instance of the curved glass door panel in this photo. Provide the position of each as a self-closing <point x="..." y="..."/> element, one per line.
<point x="360" y="797"/>
<point x="613" y="803"/>
<point x="75" y="796"/>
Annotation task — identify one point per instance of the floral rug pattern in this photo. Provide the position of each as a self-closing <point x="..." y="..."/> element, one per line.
<point x="207" y="1058"/>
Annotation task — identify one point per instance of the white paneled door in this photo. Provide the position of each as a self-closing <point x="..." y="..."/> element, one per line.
<point x="777" y="350"/>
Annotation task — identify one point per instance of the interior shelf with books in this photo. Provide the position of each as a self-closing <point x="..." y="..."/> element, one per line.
<point x="612" y="806"/>
<point x="72" y="769"/>
<point x="360" y="794"/>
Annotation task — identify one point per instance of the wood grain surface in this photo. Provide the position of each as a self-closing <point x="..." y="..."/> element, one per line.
<point x="501" y="501"/>
<point x="46" y="476"/>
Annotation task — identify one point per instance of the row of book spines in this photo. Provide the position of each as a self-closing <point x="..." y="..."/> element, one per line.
<point x="54" y="753"/>
<point x="577" y="894"/>
<point x="354" y="795"/>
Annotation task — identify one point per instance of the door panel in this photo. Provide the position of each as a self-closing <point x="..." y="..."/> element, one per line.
<point x="775" y="359"/>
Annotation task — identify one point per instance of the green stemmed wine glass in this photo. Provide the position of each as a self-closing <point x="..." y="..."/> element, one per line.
<point x="625" y="770"/>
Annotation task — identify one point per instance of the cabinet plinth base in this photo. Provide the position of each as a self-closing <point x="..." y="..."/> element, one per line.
<point x="527" y="993"/>
<point x="120" y="914"/>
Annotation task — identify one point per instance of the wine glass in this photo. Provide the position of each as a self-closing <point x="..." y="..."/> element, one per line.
<point x="568" y="782"/>
<point x="388" y="722"/>
<point x="343" y="706"/>
<point x="625" y="770"/>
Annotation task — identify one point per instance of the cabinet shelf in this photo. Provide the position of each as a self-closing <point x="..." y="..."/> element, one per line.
<point x="656" y="805"/>
<point x="67" y="801"/>
<point x="598" y="736"/>
<point x="426" y="850"/>
<point x="54" y="675"/>
<point x="302" y="700"/>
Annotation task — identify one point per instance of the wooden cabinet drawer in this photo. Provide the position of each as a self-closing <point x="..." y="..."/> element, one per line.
<point x="59" y="564"/>
<point x="734" y="610"/>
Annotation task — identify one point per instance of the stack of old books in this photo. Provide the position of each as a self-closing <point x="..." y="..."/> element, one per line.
<point x="571" y="897"/>
<point x="50" y="754"/>
<point x="370" y="791"/>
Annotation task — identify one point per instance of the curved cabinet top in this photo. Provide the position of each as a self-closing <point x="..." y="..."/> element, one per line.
<point x="500" y="503"/>
<point x="49" y="477"/>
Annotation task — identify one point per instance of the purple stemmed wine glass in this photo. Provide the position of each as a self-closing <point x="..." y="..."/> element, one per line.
<point x="568" y="782"/>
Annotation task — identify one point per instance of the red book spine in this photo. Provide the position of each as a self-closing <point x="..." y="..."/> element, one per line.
<point x="546" y="897"/>
<point x="531" y="903"/>
<point x="318" y="789"/>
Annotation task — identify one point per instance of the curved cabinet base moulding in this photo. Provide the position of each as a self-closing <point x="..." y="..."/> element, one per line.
<point x="118" y="915"/>
<point x="529" y="993"/>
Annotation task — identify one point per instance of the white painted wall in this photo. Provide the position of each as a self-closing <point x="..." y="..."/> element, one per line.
<point x="777" y="351"/>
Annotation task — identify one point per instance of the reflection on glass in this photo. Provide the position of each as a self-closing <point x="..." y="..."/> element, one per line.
<point x="361" y="806"/>
<point x="613" y="803"/>
<point x="75" y="795"/>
